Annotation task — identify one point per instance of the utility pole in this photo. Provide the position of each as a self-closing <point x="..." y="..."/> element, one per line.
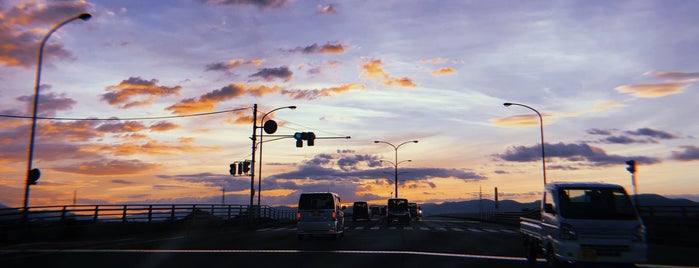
<point x="252" y="164"/>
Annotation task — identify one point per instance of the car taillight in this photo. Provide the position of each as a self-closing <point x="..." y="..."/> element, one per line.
<point x="334" y="215"/>
<point x="298" y="216"/>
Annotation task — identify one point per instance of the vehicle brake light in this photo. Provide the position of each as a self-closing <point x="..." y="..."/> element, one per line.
<point x="333" y="215"/>
<point x="298" y="216"/>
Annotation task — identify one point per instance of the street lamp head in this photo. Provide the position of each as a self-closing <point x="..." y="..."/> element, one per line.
<point x="507" y="104"/>
<point x="85" y="16"/>
<point x="415" y="141"/>
<point x="293" y="107"/>
<point x="377" y="141"/>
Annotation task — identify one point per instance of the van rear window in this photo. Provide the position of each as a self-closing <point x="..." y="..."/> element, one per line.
<point x="316" y="201"/>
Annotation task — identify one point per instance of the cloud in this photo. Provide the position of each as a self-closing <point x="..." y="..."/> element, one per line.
<point x="531" y="119"/>
<point x="22" y="28"/>
<point x="652" y="90"/>
<point x="443" y="71"/>
<point x="269" y="74"/>
<point x="150" y="147"/>
<point x="517" y="120"/>
<point x="678" y="81"/>
<point x="260" y="90"/>
<point x="121" y="127"/>
<point x="231" y="64"/>
<point x="122" y="182"/>
<point x="335" y="48"/>
<point x="257" y="3"/>
<point x="641" y="135"/>
<point x="690" y="153"/>
<point x="121" y="95"/>
<point x="570" y="152"/>
<point x="653" y="133"/>
<point x="373" y="70"/>
<point x="207" y="102"/>
<point x="435" y="60"/>
<point x="317" y="93"/>
<point x="163" y="126"/>
<point x="356" y="167"/>
<point x="674" y="76"/>
<point x="105" y="167"/>
<point x="49" y="103"/>
<point x="326" y="9"/>
<point x="213" y="180"/>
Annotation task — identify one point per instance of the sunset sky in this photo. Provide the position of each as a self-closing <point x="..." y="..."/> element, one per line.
<point x="614" y="80"/>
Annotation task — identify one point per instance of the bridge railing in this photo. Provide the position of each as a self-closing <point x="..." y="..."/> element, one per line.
<point x="141" y="213"/>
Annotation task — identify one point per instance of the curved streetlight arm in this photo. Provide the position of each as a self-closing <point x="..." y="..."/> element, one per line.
<point x="541" y="126"/>
<point x="37" y="81"/>
<point x="395" y="164"/>
<point x="259" y="169"/>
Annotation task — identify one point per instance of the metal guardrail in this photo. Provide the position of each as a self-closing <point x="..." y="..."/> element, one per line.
<point x="132" y="213"/>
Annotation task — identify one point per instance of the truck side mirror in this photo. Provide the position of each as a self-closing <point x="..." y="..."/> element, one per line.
<point x="548" y="208"/>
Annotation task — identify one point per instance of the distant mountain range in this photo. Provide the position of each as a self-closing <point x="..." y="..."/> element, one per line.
<point x="474" y="206"/>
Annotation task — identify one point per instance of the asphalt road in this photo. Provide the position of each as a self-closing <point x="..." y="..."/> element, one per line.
<point x="432" y="242"/>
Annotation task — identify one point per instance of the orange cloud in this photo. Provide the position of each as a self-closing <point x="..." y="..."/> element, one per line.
<point x="652" y="90"/>
<point x="207" y="102"/>
<point x="261" y="90"/>
<point x="675" y="76"/>
<point x="121" y="95"/>
<point x="434" y="60"/>
<point x="231" y="64"/>
<point x="401" y="82"/>
<point x="316" y="93"/>
<point x="107" y="168"/>
<point x="443" y="71"/>
<point x="163" y="126"/>
<point x="151" y="147"/>
<point x="518" y="120"/>
<point x="374" y="70"/>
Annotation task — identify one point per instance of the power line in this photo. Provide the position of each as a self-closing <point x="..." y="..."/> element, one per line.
<point x="127" y="118"/>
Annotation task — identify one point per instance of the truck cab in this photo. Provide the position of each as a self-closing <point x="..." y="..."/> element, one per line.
<point x="586" y="223"/>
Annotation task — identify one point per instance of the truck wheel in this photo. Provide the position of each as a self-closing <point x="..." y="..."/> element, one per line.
<point x="551" y="260"/>
<point x="530" y="252"/>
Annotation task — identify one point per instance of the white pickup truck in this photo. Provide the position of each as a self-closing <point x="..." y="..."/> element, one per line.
<point x="585" y="223"/>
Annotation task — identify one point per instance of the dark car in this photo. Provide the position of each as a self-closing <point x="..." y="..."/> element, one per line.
<point x="415" y="211"/>
<point x="397" y="211"/>
<point x="360" y="210"/>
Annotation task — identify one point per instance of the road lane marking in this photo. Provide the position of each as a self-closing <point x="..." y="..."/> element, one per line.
<point x="272" y="251"/>
<point x="475" y="230"/>
<point x="375" y="228"/>
<point x="457" y="229"/>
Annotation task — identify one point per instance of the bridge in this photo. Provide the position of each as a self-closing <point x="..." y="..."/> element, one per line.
<point x="223" y="236"/>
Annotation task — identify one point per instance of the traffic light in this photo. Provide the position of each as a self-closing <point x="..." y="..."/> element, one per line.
<point x="240" y="168"/>
<point x="34" y="175"/>
<point x="233" y="168"/>
<point x="632" y="166"/>
<point x="246" y="166"/>
<point x="309" y="137"/>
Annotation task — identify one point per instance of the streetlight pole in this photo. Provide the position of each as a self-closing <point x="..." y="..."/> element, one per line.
<point x="396" y="163"/>
<point x="259" y="169"/>
<point x="541" y="125"/>
<point x="84" y="17"/>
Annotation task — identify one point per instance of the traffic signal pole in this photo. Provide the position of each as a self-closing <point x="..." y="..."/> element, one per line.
<point x="252" y="164"/>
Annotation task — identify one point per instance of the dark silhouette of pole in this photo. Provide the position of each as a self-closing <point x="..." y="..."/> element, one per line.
<point x="259" y="170"/>
<point x="252" y="164"/>
<point x="541" y="125"/>
<point x="396" y="163"/>
<point x="32" y="133"/>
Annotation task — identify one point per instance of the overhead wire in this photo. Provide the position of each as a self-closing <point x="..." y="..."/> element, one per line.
<point x="126" y="118"/>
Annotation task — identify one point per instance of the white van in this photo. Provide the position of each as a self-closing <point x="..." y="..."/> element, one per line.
<point x="320" y="214"/>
